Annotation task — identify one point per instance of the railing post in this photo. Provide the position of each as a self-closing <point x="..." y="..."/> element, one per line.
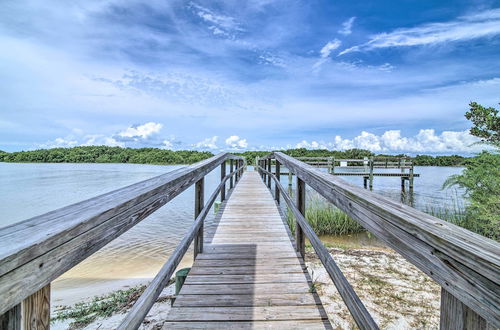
<point x="32" y="313"/>
<point x="456" y="315"/>
<point x="237" y="175"/>
<point x="371" y="173"/>
<point x="276" y="189"/>
<point x="36" y="310"/>
<point x="222" y="175"/>
<point x="231" y="180"/>
<point x="301" y="206"/>
<point x="11" y="320"/>
<point x="264" y="175"/>
<point x="269" y="169"/>
<point x="199" y="195"/>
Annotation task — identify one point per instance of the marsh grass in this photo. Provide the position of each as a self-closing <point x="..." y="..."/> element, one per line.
<point x="456" y="214"/>
<point x="325" y="219"/>
<point x="84" y="313"/>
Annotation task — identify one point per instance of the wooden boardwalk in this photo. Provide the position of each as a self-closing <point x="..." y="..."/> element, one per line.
<point x="249" y="275"/>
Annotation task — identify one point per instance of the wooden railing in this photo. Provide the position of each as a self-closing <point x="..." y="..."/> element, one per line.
<point x="36" y="251"/>
<point x="464" y="264"/>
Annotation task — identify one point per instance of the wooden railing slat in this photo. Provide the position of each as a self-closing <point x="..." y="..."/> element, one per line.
<point x="36" y="251"/>
<point x="465" y="263"/>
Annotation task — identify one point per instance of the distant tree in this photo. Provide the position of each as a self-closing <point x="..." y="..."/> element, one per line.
<point x="486" y="123"/>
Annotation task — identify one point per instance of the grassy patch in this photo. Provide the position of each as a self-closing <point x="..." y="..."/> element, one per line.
<point x="326" y="219"/>
<point x="84" y="313"/>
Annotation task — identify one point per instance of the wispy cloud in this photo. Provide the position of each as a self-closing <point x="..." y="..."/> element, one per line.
<point x="325" y="52"/>
<point x="347" y="26"/>
<point x="220" y="25"/>
<point x="483" y="24"/>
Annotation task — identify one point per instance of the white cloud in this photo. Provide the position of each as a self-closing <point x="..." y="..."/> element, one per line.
<point x="236" y="142"/>
<point x="426" y="141"/>
<point x="312" y="145"/>
<point x="143" y="131"/>
<point x="329" y="47"/>
<point x="347" y="26"/>
<point x="220" y="25"/>
<point x="208" y="143"/>
<point x="325" y="53"/>
<point x="483" y="24"/>
<point x="101" y="140"/>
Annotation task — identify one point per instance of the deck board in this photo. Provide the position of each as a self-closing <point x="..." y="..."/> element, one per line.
<point x="249" y="275"/>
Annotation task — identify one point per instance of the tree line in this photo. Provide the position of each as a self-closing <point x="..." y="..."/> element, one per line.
<point x="105" y="154"/>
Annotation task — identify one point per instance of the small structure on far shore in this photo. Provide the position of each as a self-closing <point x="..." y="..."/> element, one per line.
<point x="366" y="168"/>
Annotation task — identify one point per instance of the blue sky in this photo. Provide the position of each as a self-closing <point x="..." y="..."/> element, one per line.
<point x="389" y="76"/>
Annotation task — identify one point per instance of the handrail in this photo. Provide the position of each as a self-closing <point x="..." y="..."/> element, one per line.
<point x="142" y="306"/>
<point x="36" y="251"/>
<point x="465" y="264"/>
<point x="358" y="310"/>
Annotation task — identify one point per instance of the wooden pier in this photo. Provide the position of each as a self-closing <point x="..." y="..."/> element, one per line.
<point x="249" y="274"/>
<point x="366" y="168"/>
<point x="249" y="269"/>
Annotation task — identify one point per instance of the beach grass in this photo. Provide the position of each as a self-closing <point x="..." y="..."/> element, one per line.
<point x="325" y="218"/>
<point x="84" y="313"/>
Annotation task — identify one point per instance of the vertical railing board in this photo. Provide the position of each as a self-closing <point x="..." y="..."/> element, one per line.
<point x="199" y="196"/>
<point x="11" y="320"/>
<point x="276" y="188"/>
<point x="301" y="206"/>
<point x="222" y="175"/>
<point x="36" y="310"/>
<point x="231" y="168"/>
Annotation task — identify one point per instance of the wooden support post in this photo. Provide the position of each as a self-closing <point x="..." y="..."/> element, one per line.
<point x="411" y="177"/>
<point x="333" y="165"/>
<point x="276" y="189"/>
<point x="455" y="315"/>
<point x="290" y="175"/>
<point x="269" y="169"/>
<point x="36" y="310"/>
<point x="11" y="320"/>
<point x="199" y="202"/>
<point x="231" y="169"/>
<point x="301" y="206"/>
<point x="264" y="166"/>
<point x="222" y="176"/>
<point x="371" y="173"/>
<point x="402" y="183"/>
<point x="365" y="182"/>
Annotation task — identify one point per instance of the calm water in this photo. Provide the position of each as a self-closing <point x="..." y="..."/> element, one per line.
<point x="28" y="190"/>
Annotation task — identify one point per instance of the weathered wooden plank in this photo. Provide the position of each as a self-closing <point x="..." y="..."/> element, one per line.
<point x="245" y="262"/>
<point x="11" y="320"/>
<point x="247" y="300"/>
<point x="240" y="270"/>
<point x="199" y="203"/>
<point x="268" y="255"/>
<point x="293" y="325"/>
<point x="254" y="313"/>
<point x="246" y="278"/>
<point x="456" y="315"/>
<point x="36" y="310"/>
